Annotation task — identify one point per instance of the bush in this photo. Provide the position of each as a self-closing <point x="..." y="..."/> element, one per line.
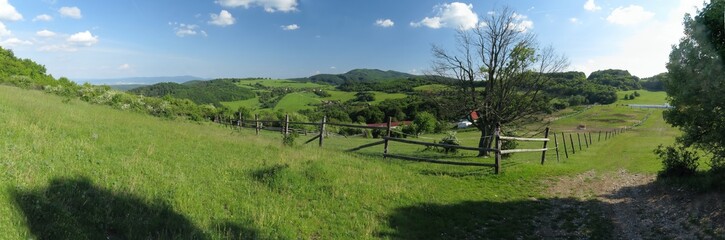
<point x="425" y="122"/>
<point x="677" y="161"/>
<point x="450" y="139"/>
<point x="289" y="139"/>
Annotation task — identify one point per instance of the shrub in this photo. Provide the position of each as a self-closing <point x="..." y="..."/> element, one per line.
<point x="450" y="139"/>
<point x="289" y="139"/>
<point x="677" y="160"/>
<point x="425" y="122"/>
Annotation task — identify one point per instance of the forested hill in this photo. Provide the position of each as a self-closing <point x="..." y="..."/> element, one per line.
<point x="376" y="80"/>
<point x="357" y="75"/>
<point x="22" y="72"/>
<point x="201" y="92"/>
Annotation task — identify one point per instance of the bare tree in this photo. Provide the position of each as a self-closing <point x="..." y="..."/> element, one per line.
<point x="501" y="57"/>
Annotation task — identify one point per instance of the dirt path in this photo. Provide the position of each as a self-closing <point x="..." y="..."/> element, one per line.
<point x="633" y="206"/>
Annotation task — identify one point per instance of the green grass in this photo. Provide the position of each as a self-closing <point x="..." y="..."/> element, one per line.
<point x="297" y="101"/>
<point x="252" y="103"/>
<point x="646" y="97"/>
<point x="282" y="83"/>
<point x="431" y="87"/>
<point x="75" y="171"/>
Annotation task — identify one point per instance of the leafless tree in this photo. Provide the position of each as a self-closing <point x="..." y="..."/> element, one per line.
<point x="501" y="69"/>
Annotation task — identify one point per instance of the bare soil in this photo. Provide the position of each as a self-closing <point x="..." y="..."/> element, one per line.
<point x="623" y="205"/>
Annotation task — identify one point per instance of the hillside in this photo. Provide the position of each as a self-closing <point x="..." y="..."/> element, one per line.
<point x="139" y="80"/>
<point x="359" y="75"/>
<point x="201" y="92"/>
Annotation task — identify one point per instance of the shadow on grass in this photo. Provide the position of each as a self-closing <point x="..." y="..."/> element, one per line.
<point x="76" y="209"/>
<point x="525" y="219"/>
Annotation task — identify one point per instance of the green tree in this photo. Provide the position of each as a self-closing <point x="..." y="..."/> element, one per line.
<point x="511" y="65"/>
<point x="425" y="122"/>
<point x="696" y="86"/>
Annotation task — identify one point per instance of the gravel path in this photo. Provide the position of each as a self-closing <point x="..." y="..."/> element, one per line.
<point x="633" y="204"/>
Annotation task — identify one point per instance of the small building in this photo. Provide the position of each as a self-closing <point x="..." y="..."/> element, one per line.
<point x="463" y="124"/>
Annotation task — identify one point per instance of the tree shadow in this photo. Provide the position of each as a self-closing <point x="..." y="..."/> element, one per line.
<point x="76" y="209"/>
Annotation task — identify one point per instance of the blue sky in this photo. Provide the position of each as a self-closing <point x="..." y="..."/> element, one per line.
<point x="296" y="38"/>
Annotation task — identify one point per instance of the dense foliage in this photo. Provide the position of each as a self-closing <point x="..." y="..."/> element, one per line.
<point x="620" y="79"/>
<point x="574" y="89"/>
<point x="201" y="92"/>
<point x="655" y="83"/>
<point x="356" y="75"/>
<point x="696" y="85"/>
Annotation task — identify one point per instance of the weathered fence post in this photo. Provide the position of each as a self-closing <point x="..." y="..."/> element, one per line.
<point x="239" y="122"/>
<point x="543" y="154"/>
<point x="497" y="156"/>
<point x="322" y="129"/>
<point x="573" y="151"/>
<point x="579" y="139"/>
<point x="590" y="138"/>
<point x="586" y="142"/>
<point x="387" y="134"/>
<point x="563" y="139"/>
<point x="256" y="123"/>
<point x="599" y="139"/>
<point x="556" y="145"/>
<point x="286" y="125"/>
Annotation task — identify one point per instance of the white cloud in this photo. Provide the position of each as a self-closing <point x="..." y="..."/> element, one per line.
<point x="83" y="38"/>
<point x="71" y="12"/>
<point x="384" y="23"/>
<point x="522" y="23"/>
<point x="183" y="30"/>
<point x="451" y="15"/>
<point x="291" y="27"/>
<point x="45" y="33"/>
<point x="223" y="19"/>
<point x="13" y="42"/>
<point x="631" y="15"/>
<point x="268" y="5"/>
<point x="124" y="66"/>
<point x="8" y="12"/>
<point x="4" y="30"/>
<point x="646" y="52"/>
<point x="591" y="6"/>
<point x="43" y="17"/>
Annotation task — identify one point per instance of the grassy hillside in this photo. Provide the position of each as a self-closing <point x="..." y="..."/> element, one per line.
<point x="74" y="170"/>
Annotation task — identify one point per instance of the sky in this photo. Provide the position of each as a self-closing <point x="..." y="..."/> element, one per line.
<point x="86" y="39"/>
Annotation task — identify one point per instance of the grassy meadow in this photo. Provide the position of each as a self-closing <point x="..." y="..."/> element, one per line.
<point x="79" y="171"/>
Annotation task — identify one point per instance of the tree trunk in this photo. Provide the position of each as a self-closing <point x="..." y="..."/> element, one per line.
<point x="486" y="139"/>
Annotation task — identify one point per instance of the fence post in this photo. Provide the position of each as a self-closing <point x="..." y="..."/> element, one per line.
<point x="497" y="165"/>
<point x="387" y="134"/>
<point x="586" y="142"/>
<point x="556" y="145"/>
<point x="563" y="139"/>
<point x="543" y="154"/>
<point x="600" y="136"/>
<point x="573" y="151"/>
<point x="590" y="138"/>
<point x="286" y="125"/>
<point x="579" y="139"/>
<point x="322" y="129"/>
<point x="256" y="123"/>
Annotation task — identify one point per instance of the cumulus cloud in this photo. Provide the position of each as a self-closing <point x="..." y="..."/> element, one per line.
<point x="522" y="23"/>
<point x="71" y="12"/>
<point x="14" y="42"/>
<point x="591" y="6"/>
<point x="646" y="52"/>
<point x="290" y="27"/>
<point x="43" y="17"/>
<point x="451" y="15"/>
<point x="83" y="38"/>
<point x="8" y="12"/>
<point x="631" y="15"/>
<point x="44" y="33"/>
<point x="4" y="30"/>
<point x="224" y="18"/>
<point x="384" y="23"/>
<point x="268" y="5"/>
<point x="183" y="30"/>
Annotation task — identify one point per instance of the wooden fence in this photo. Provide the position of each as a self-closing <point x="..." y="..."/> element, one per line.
<point x="387" y="138"/>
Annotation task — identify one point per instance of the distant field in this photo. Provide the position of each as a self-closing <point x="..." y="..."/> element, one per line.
<point x="282" y="83"/>
<point x="646" y="97"/>
<point x="251" y="103"/>
<point x="431" y="87"/>
<point x="304" y="100"/>
<point x="294" y="102"/>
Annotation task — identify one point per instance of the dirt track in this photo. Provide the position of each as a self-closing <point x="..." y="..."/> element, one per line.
<point x="635" y="205"/>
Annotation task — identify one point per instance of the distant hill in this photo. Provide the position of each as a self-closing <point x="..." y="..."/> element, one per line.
<point x="357" y="75"/>
<point x="201" y="92"/>
<point x="138" y="80"/>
